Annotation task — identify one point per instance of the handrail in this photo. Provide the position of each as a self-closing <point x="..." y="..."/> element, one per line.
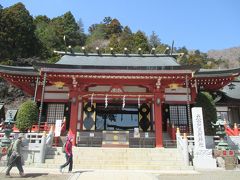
<point x="182" y="145"/>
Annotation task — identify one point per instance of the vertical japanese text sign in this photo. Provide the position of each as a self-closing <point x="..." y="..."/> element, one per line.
<point x="198" y="128"/>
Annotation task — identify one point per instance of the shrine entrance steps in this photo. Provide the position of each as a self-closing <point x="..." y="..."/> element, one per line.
<point x="118" y="159"/>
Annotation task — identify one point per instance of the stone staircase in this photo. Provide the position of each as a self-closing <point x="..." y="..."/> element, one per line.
<point x="118" y="159"/>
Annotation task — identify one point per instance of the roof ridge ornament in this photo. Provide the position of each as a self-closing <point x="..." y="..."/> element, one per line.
<point x="98" y="50"/>
<point x="111" y="49"/>
<point x="126" y="50"/>
<point x="84" y="50"/>
<point x="153" y="51"/>
<point x="140" y="51"/>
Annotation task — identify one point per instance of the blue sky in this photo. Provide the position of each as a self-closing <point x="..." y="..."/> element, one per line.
<point x="196" y="24"/>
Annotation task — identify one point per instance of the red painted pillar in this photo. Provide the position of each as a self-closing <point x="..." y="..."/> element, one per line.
<point x="158" y="120"/>
<point x="74" y="115"/>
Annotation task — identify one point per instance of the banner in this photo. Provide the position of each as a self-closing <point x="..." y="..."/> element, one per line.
<point x="58" y="126"/>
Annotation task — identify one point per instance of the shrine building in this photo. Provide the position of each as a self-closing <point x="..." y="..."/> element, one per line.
<point x="98" y="92"/>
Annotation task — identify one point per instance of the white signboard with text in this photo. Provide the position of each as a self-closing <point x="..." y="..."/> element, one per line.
<point x="198" y="128"/>
<point x="58" y="126"/>
<point x="202" y="157"/>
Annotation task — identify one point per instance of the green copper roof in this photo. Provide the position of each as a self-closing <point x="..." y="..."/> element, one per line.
<point x="18" y="70"/>
<point x="118" y="60"/>
<point x="217" y="72"/>
<point x="234" y="91"/>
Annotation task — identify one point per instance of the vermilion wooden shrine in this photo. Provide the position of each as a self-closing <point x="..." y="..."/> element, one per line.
<point x="101" y="92"/>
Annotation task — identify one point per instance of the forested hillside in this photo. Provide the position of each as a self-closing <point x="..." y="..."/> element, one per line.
<point x="24" y="39"/>
<point x="230" y="58"/>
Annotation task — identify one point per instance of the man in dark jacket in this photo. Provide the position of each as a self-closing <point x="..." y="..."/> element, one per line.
<point x="15" y="158"/>
<point x="68" y="154"/>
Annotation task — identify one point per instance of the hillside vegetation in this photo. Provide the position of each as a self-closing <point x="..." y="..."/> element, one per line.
<point x="230" y="56"/>
<point x="25" y="39"/>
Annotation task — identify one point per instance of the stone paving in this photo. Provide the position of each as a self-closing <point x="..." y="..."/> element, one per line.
<point x="51" y="174"/>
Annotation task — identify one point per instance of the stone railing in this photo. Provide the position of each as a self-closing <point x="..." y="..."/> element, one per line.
<point x="34" y="146"/>
<point x="182" y="146"/>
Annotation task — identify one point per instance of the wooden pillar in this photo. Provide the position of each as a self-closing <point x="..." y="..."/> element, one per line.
<point x="80" y="115"/>
<point x="158" y="120"/>
<point x="74" y="115"/>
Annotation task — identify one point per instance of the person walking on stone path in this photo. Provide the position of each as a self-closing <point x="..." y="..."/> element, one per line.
<point x="15" y="158"/>
<point x="68" y="154"/>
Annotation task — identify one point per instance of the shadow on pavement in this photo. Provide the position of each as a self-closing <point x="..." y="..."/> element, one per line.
<point x="82" y="171"/>
<point x="33" y="175"/>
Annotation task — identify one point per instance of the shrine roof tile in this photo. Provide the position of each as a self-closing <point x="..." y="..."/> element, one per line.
<point x="18" y="70"/>
<point x="97" y="60"/>
<point x="217" y="72"/>
<point x="232" y="91"/>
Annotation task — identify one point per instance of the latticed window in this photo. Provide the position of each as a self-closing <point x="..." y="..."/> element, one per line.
<point x="54" y="112"/>
<point x="178" y="116"/>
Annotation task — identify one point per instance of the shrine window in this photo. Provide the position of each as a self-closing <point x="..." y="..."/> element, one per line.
<point x="54" y="112"/>
<point x="178" y="117"/>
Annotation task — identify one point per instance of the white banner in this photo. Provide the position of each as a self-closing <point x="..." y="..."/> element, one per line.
<point x="58" y="126"/>
<point x="198" y="128"/>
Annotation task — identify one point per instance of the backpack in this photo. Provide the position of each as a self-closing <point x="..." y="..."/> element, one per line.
<point x="64" y="147"/>
<point x="10" y="149"/>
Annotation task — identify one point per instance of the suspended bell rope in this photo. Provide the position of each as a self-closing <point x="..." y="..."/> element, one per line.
<point x="123" y="105"/>
<point x="36" y="87"/>
<point x="92" y="99"/>
<point x="139" y="103"/>
<point x="188" y="107"/>
<point x="106" y="101"/>
<point x="41" y="104"/>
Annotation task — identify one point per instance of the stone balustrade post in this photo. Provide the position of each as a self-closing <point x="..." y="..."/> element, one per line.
<point x="185" y="150"/>
<point x="43" y="148"/>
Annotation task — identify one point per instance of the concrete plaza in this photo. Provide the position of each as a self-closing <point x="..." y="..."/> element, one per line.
<point x="49" y="174"/>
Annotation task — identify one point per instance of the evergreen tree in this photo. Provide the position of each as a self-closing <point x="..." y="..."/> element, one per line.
<point x="141" y="41"/>
<point x="17" y="37"/>
<point x="205" y="100"/>
<point x="66" y="25"/>
<point x="27" y="116"/>
<point x="96" y="38"/>
<point x="46" y="35"/>
<point x="114" y="43"/>
<point x="126" y="39"/>
<point x="92" y="28"/>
